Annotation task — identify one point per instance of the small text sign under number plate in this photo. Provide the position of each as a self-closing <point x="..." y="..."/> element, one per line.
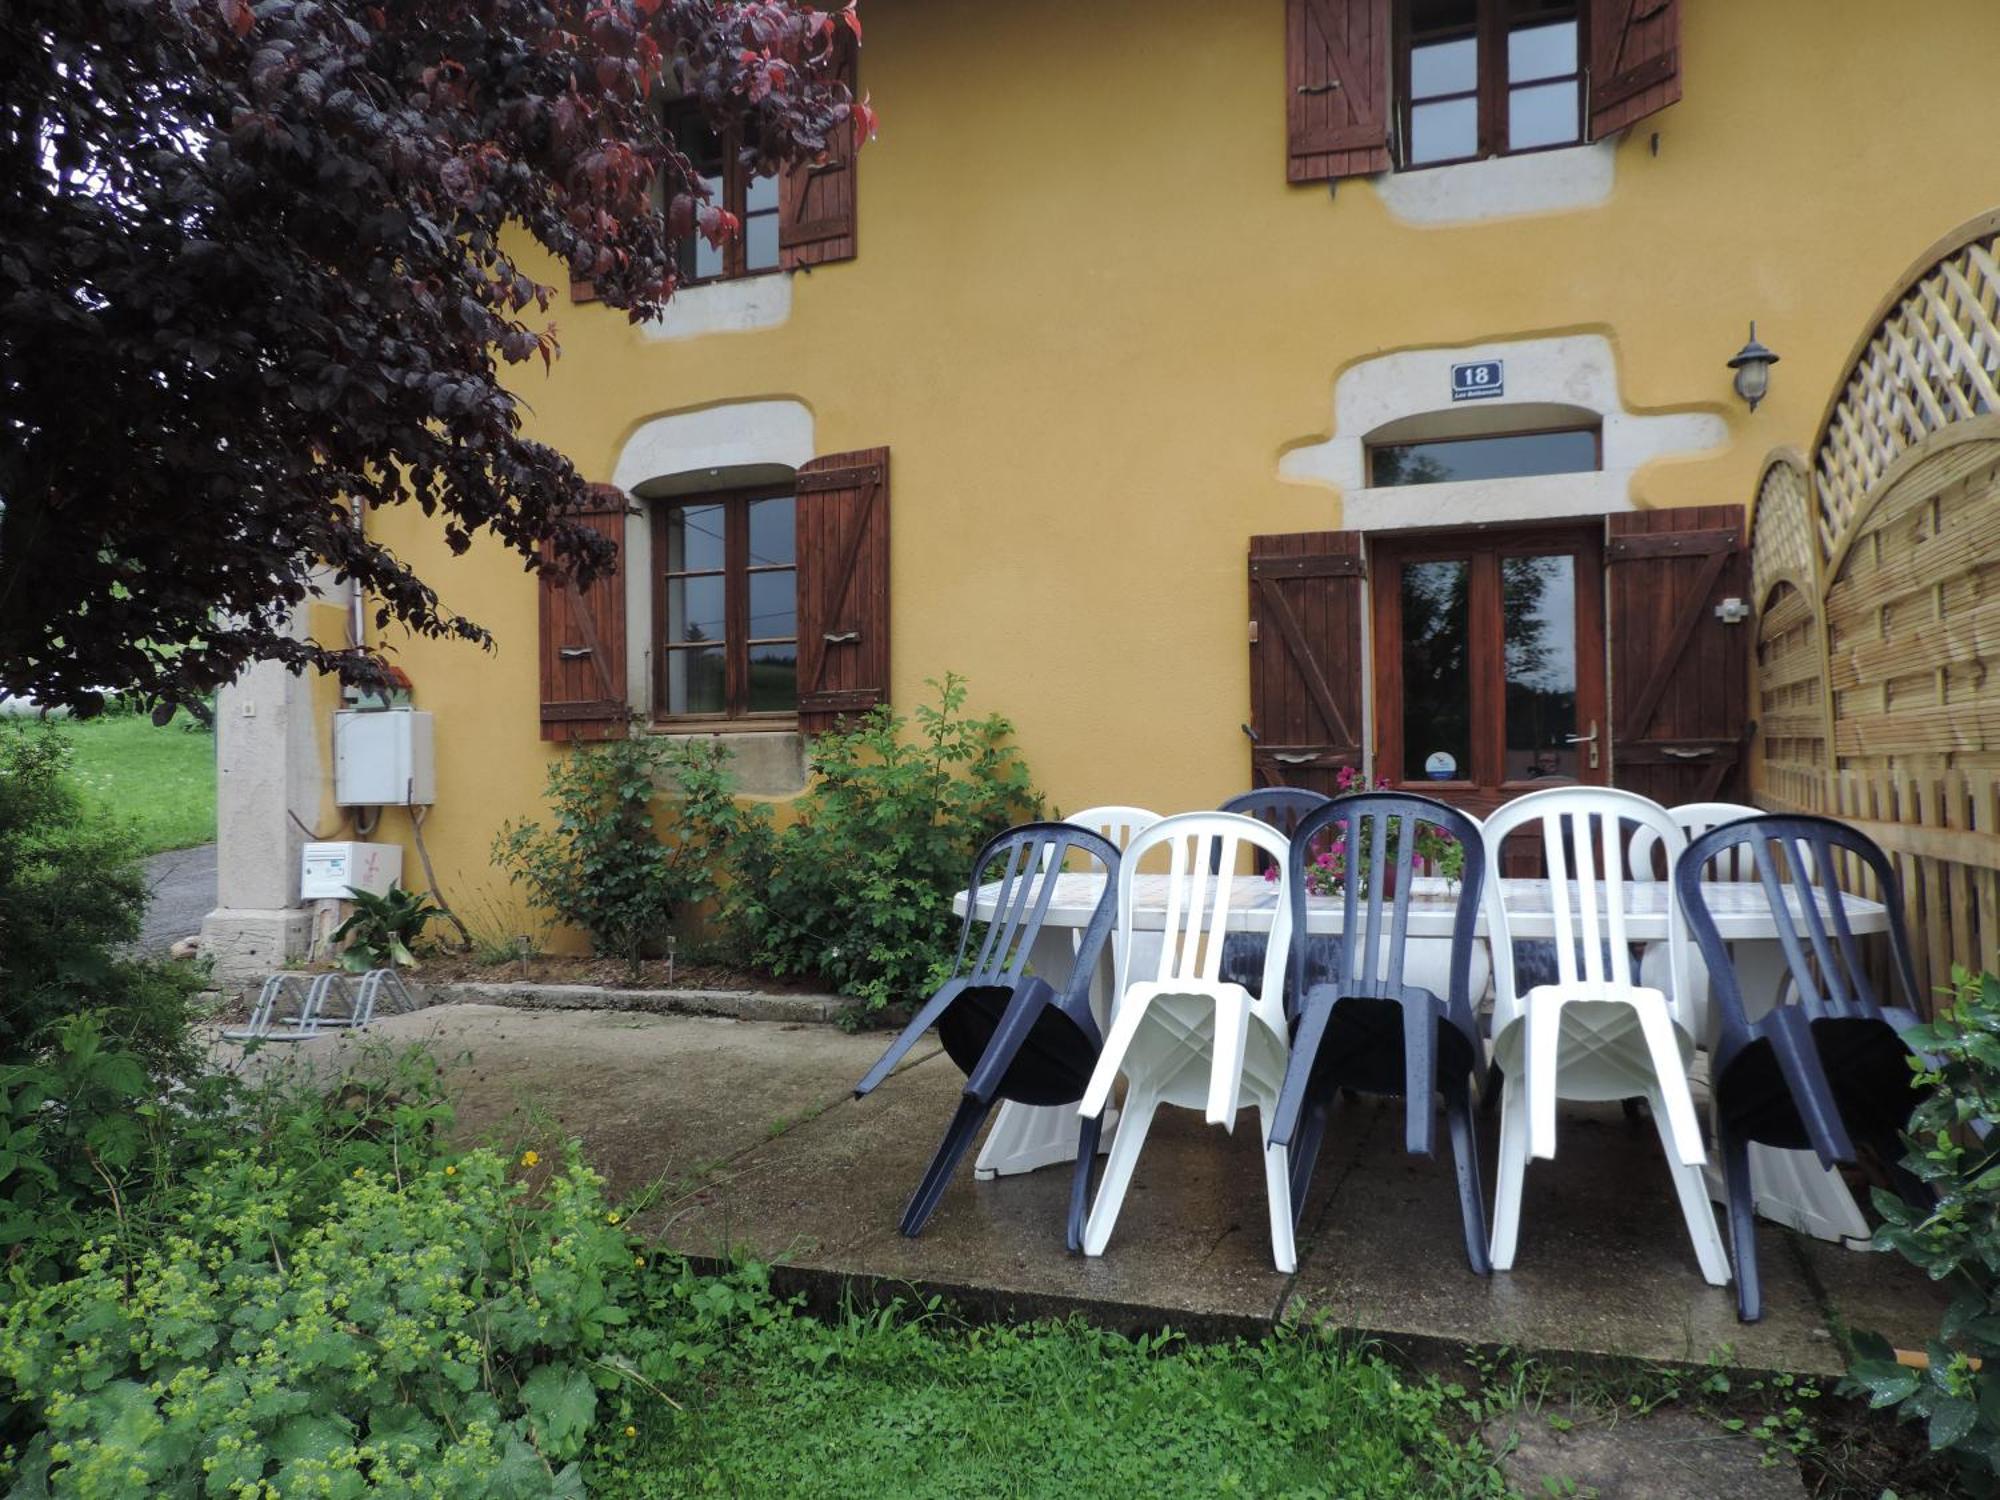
<point x="1478" y="379"/>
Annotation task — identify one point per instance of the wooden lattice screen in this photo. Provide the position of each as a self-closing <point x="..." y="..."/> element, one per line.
<point x="1876" y="570"/>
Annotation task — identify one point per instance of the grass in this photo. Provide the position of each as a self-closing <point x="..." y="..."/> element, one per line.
<point x="884" y="1404"/>
<point x="161" y="779"/>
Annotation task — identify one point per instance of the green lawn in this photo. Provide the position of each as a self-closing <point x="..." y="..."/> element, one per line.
<point x="880" y="1406"/>
<point x="162" y="779"/>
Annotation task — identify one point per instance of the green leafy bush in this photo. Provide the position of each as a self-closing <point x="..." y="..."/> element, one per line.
<point x="72" y="894"/>
<point x="1957" y="1240"/>
<point x="439" y="1330"/>
<point x="380" y="932"/>
<point x="603" y="866"/>
<point x="857" y="890"/>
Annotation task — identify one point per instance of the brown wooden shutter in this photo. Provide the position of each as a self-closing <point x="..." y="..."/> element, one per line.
<point x="816" y="200"/>
<point x="583" y="636"/>
<point x="1635" y="61"/>
<point x="1305" y="658"/>
<point x="1336" y="88"/>
<point x="1680" y="675"/>
<point x="843" y="558"/>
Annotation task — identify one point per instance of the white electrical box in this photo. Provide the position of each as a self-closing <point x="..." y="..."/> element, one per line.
<point x="333" y="872"/>
<point x="383" y="758"/>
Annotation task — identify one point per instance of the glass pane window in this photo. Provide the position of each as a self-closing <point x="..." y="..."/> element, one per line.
<point x="727" y="607"/>
<point x="1512" y="455"/>
<point x="1545" y="115"/>
<point x="1437" y="670"/>
<point x="1480" y="78"/>
<point x="1538" y="635"/>
<point x="1541" y="52"/>
<point x="733" y="188"/>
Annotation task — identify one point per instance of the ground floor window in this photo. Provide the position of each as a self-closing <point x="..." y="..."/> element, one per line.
<point x="1489" y="662"/>
<point x="726" y="608"/>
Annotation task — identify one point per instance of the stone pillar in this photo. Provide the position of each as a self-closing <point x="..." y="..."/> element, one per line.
<point x="268" y="773"/>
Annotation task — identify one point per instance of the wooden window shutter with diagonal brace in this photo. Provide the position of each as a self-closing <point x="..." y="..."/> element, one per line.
<point x="1680" y="673"/>
<point x="817" y="200"/>
<point x="842" y="523"/>
<point x="583" y="635"/>
<point x="1635" y="61"/>
<point x="1305" y="658"/>
<point x="1336" y="88"/>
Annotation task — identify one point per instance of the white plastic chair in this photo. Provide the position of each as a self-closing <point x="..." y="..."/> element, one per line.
<point x="1184" y="1035"/>
<point x="1119" y="824"/>
<point x="1594" y="1034"/>
<point x="1692" y="818"/>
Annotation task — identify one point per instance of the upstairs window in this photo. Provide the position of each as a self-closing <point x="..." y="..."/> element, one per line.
<point x="733" y="188"/>
<point x="1372" y="85"/>
<point x="1489" y="78"/>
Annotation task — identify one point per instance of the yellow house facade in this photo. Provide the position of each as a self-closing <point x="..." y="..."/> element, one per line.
<point x="1230" y="393"/>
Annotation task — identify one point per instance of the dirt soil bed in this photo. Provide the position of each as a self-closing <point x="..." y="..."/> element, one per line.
<point x="613" y="973"/>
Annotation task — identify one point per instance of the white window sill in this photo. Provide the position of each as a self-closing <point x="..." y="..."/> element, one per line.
<point x="1500" y="187"/>
<point x="742" y="305"/>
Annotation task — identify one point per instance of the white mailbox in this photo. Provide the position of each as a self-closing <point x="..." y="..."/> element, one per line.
<point x="383" y="758"/>
<point x="333" y="872"/>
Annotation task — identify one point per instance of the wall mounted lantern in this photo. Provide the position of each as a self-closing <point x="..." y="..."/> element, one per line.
<point x="1752" y="364"/>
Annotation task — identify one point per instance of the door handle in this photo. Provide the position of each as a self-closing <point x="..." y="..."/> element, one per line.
<point x="1294" y="760"/>
<point x="1586" y="739"/>
<point x="1681" y="754"/>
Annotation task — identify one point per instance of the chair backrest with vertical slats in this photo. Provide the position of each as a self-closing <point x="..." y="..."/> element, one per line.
<point x="1026" y="862"/>
<point x="1644" y="858"/>
<point x="1584" y="831"/>
<point x="1380" y="829"/>
<point x="1118" y="824"/>
<point x="1279" y="806"/>
<point x="1799" y="861"/>
<point x="1202" y="901"/>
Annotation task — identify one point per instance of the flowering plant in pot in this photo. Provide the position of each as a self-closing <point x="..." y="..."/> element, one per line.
<point x="1437" y="853"/>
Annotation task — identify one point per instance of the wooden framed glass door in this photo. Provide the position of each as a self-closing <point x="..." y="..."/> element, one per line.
<point x="1489" y="662"/>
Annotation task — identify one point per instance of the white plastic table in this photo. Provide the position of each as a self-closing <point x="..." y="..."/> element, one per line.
<point x="1791" y="1187"/>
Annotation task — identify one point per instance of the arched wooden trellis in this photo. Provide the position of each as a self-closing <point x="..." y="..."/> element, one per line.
<point x="1876" y="567"/>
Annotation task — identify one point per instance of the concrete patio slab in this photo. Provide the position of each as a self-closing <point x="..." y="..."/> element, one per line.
<point x="752" y="1135"/>
<point x="1604" y="1265"/>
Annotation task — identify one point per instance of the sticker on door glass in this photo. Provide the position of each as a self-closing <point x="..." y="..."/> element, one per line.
<point x="1441" y="766"/>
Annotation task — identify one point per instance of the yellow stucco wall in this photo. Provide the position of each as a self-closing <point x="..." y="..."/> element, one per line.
<point x="1088" y="315"/>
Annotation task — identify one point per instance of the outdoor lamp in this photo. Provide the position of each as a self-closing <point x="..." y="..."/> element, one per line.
<point x="1752" y="364"/>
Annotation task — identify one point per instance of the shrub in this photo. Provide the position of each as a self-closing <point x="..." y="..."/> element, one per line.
<point x="1957" y="1240"/>
<point x="72" y="894"/>
<point x="603" y="866"/>
<point x="857" y="890"/>
<point x="438" y="1329"/>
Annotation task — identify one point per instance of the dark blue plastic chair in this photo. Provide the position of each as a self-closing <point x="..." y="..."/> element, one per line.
<point x="1359" y="1026"/>
<point x="1282" y="808"/>
<point x="1825" y="1066"/>
<point x="1013" y="1034"/>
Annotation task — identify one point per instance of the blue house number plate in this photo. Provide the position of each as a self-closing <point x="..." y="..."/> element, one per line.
<point x="1479" y="379"/>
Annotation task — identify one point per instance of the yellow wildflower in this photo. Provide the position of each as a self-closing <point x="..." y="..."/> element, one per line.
<point x="530" y="1158"/>
<point x="611" y="1218"/>
<point x="631" y="1431"/>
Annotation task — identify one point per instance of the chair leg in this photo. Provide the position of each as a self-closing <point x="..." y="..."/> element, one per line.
<point x="1671" y="1099"/>
<point x="1691" y="1187"/>
<point x="1079" y="1187"/>
<point x="1512" y="1169"/>
<point x="1225" y="1074"/>
<point x="958" y="1137"/>
<point x="1298" y="1070"/>
<point x="1125" y="1022"/>
<point x="1419" y="1079"/>
<point x="1133" y="1124"/>
<point x="1742" y="1221"/>
<point x="1542" y="1036"/>
<point x="1304" y="1149"/>
<point x="1278" y="1188"/>
<point x="1465" y="1166"/>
